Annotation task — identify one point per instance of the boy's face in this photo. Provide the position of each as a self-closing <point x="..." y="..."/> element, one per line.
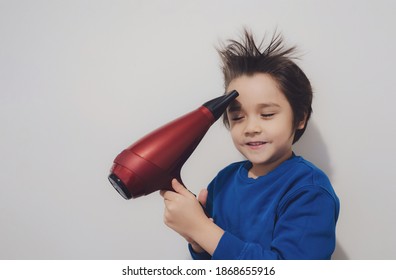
<point x="261" y="122"/>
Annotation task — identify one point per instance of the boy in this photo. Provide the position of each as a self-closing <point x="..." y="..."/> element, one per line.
<point x="274" y="205"/>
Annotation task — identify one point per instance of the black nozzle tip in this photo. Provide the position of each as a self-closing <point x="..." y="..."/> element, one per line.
<point x="218" y="105"/>
<point x="119" y="186"/>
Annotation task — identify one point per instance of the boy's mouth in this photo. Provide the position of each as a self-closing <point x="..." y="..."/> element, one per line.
<point x="256" y="144"/>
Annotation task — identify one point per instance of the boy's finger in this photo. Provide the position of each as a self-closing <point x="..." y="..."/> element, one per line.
<point x="168" y="195"/>
<point x="179" y="188"/>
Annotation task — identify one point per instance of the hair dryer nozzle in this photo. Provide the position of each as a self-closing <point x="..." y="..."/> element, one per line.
<point x="218" y="105"/>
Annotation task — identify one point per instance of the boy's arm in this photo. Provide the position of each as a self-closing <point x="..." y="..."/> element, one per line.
<point x="184" y="214"/>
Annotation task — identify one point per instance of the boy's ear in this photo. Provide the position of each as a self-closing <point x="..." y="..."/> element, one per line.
<point x="303" y="122"/>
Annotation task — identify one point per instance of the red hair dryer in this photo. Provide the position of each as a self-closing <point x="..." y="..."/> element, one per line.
<point x="152" y="162"/>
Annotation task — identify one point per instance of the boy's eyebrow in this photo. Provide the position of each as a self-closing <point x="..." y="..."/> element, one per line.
<point x="235" y="106"/>
<point x="265" y="105"/>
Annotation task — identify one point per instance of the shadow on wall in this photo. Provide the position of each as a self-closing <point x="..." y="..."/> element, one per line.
<point x="339" y="253"/>
<point x="313" y="148"/>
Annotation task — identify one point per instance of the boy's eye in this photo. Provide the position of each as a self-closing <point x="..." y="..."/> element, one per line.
<point x="236" y="118"/>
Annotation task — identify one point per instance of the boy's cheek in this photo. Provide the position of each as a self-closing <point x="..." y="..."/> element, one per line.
<point x="235" y="134"/>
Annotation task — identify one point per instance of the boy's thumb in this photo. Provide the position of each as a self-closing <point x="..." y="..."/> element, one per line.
<point x="203" y="196"/>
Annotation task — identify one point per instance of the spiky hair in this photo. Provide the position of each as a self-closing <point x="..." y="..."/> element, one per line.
<point x="245" y="57"/>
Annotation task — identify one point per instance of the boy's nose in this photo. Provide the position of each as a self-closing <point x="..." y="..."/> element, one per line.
<point x="253" y="127"/>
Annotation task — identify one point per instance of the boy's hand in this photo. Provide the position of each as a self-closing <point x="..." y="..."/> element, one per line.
<point x="183" y="213"/>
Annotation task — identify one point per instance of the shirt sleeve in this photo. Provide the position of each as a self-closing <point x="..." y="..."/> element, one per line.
<point x="304" y="229"/>
<point x="199" y="256"/>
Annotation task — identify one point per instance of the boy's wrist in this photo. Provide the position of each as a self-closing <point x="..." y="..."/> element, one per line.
<point x="208" y="236"/>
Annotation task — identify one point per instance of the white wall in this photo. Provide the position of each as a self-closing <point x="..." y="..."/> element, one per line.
<point x="78" y="81"/>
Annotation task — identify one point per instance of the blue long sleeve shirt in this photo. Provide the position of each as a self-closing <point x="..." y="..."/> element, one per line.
<point x="290" y="213"/>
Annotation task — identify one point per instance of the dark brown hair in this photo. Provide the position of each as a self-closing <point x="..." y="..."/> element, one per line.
<point x="248" y="58"/>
